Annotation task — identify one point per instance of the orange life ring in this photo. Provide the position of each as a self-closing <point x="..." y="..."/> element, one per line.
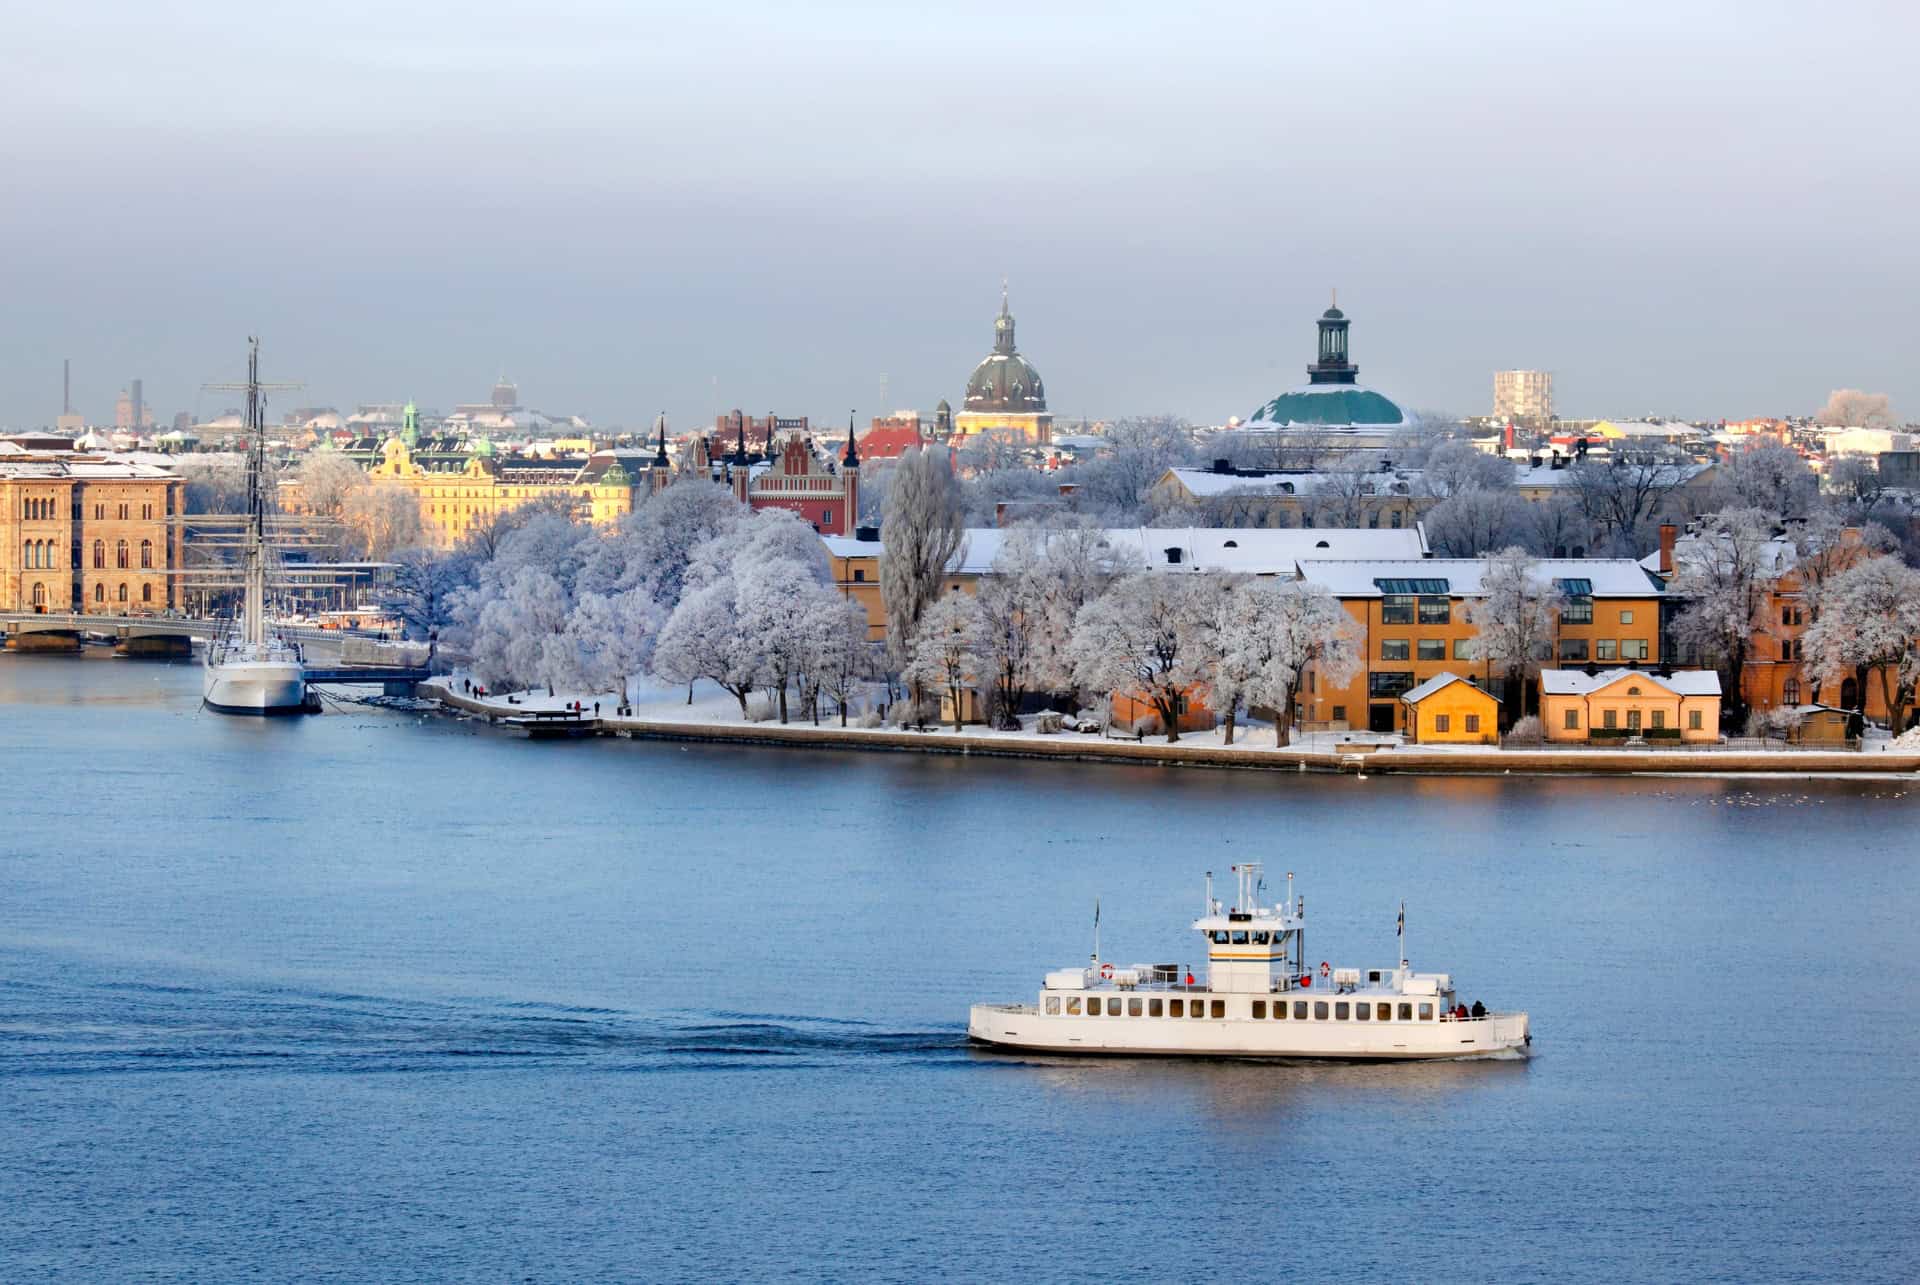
<point x="1106" y="971"/>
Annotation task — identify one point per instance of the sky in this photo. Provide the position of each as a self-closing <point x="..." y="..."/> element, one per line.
<point x="1696" y="209"/>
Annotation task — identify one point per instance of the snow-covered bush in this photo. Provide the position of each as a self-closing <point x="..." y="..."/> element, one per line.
<point x="870" y="719"/>
<point x="761" y="709"/>
<point x="1149" y="725"/>
<point x="1526" y="729"/>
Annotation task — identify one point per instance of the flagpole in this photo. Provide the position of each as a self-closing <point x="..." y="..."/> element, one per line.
<point x="1096" y="932"/>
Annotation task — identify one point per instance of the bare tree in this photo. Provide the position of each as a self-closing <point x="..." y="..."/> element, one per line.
<point x="326" y="479"/>
<point x="1476" y="521"/>
<point x="1623" y="494"/>
<point x="1769" y="477"/>
<point x="1856" y="480"/>
<point x="1851" y="408"/>
<point x="1513" y="622"/>
<point x="1344" y="494"/>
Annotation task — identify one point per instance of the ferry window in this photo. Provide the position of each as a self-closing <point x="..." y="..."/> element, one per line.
<point x="1340" y="1011"/>
<point x="1176" y="1008"/>
<point x="1219" y="1008"/>
<point x="1373" y="974"/>
<point x="1153" y="1008"/>
<point x="1053" y="1005"/>
<point x="1113" y="1007"/>
<point x="1197" y="1009"/>
<point x="1259" y="939"/>
<point x="1093" y="1006"/>
<point x="1362" y="1012"/>
<point x="1426" y="1012"/>
<point x="1259" y="1008"/>
<point x="1133" y="1008"/>
<point x="1299" y="1010"/>
<point x="1319" y="1010"/>
<point x="1406" y="1012"/>
<point x="1240" y="937"/>
<point x="1384" y="1012"/>
<point x="1220" y="936"/>
<point x="1073" y="1006"/>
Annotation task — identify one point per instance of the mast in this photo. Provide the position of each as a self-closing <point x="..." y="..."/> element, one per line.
<point x="255" y="554"/>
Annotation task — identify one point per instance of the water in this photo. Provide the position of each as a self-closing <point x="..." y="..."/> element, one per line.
<point x="376" y="997"/>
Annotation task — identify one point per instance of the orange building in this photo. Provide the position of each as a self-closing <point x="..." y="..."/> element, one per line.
<point x="1618" y="704"/>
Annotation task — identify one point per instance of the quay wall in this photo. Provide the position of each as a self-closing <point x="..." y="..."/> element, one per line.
<point x="1078" y="748"/>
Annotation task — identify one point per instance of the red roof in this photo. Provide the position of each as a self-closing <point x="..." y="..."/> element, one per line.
<point x="888" y="442"/>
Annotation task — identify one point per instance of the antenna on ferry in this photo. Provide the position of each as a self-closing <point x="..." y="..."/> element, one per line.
<point x="1208" y="908"/>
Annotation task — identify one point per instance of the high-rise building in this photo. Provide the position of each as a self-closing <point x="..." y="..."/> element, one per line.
<point x="1524" y="396"/>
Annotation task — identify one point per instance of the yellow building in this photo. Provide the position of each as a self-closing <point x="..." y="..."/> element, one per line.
<point x="1005" y="394"/>
<point x="1449" y="710"/>
<point x="1416" y="623"/>
<point x="85" y="534"/>
<point x="453" y="503"/>
<point x="856" y="573"/>
<point x="1616" y="704"/>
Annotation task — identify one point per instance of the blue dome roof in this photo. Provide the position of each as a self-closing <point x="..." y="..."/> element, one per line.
<point x="1332" y="406"/>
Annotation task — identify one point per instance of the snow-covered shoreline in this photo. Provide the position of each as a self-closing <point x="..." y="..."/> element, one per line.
<point x="714" y="716"/>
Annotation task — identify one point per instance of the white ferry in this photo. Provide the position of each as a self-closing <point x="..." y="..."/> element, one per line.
<point x="1260" y="998"/>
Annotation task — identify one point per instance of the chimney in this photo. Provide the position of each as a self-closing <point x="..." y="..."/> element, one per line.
<point x="1000" y="513"/>
<point x="1667" y="533"/>
<point x="1223" y="466"/>
<point x="867" y="534"/>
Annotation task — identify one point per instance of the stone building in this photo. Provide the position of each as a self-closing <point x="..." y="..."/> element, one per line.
<point x="1004" y="394"/>
<point x="85" y="534"/>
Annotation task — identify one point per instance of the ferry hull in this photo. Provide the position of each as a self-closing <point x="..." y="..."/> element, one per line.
<point x="256" y="687"/>
<point x="1022" y="1026"/>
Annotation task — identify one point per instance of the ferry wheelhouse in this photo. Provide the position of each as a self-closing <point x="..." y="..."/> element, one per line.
<point x="1260" y="998"/>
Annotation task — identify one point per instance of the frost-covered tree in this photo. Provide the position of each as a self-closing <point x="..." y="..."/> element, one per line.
<point x="703" y="639"/>
<point x="652" y="547"/>
<point x="426" y="586"/>
<point x="609" y="638"/>
<point x="486" y="535"/>
<point x="943" y="655"/>
<point x="1142" y="637"/>
<point x="1851" y="408"/>
<point x="554" y="546"/>
<point x="1456" y="467"/>
<point x="1344" y="494"/>
<point x="1556" y="528"/>
<point x="1724" y="584"/>
<point x="1476" y="520"/>
<point x="1623" y="495"/>
<point x="1855" y="480"/>
<point x="779" y="601"/>
<point x="1271" y="635"/>
<point x="326" y="479"/>
<point x="1055" y="570"/>
<point x="1005" y="644"/>
<point x="920" y="534"/>
<point x="515" y="634"/>
<point x="842" y="659"/>
<point x="379" y="519"/>
<point x="1769" y="477"/>
<point x="1513" y="621"/>
<point x="1869" y="626"/>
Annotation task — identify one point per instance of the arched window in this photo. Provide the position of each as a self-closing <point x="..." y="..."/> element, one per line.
<point x="146" y="593"/>
<point x="146" y="555"/>
<point x="39" y="595"/>
<point x="99" y="555"/>
<point x="28" y="553"/>
<point x="1790" y="693"/>
<point x="99" y="593"/>
<point x="122" y="595"/>
<point x="120" y="554"/>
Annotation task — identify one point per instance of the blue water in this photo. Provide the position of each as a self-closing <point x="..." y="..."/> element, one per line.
<point x="369" y="996"/>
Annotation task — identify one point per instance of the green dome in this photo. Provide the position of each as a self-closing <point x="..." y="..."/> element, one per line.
<point x="1334" y="406"/>
<point x="482" y="446"/>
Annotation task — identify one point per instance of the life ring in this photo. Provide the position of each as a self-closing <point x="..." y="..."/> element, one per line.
<point x="1325" y="969"/>
<point x="1106" y="971"/>
<point x="1306" y="981"/>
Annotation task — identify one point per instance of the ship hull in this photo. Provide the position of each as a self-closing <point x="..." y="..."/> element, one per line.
<point x="1023" y="1027"/>
<point x="256" y="687"/>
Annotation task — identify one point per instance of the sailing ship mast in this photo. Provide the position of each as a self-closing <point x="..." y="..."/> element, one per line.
<point x="255" y="553"/>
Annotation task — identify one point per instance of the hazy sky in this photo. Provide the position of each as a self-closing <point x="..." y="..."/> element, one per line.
<point x="1701" y="209"/>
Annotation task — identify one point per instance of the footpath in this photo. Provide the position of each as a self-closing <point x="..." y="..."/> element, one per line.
<point x="538" y="714"/>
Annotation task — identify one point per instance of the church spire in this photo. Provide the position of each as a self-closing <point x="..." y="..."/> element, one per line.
<point x="1003" y="324"/>
<point x="660" y="455"/>
<point x="1333" y="367"/>
<point x="852" y="457"/>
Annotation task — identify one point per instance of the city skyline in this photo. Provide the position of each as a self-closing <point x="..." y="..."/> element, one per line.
<point x="778" y="209"/>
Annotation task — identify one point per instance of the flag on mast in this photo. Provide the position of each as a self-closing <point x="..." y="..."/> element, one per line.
<point x="1400" y="933"/>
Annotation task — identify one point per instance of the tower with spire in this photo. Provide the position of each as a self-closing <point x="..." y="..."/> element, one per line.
<point x="1005" y="394"/>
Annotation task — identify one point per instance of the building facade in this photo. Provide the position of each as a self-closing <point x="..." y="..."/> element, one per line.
<point x="803" y="484"/>
<point x="1523" y="397"/>
<point x="1005" y="395"/>
<point x="88" y="535"/>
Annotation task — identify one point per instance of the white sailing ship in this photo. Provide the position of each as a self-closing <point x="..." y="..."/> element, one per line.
<point x="251" y="671"/>
<point x="1260" y="998"/>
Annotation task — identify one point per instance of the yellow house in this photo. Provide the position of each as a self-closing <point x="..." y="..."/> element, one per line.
<point x="1449" y="710"/>
<point x="1615" y="704"/>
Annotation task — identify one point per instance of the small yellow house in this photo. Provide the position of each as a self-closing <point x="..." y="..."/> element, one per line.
<point x="1617" y="704"/>
<point x="1449" y="710"/>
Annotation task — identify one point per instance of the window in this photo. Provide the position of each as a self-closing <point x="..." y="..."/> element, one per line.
<point x="1789" y="694"/>
<point x="1339" y="713"/>
<point x="39" y="595"/>
<point x="1319" y="1010"/>
<point x="1693" y="720"/>
<point x="860" y="575"/>
<point x="1659" y="718"/>
<point x="146" y="513"/>
<point x="1093" y="1006"/>
<point x="1435" y="611"/>
<point x="123" y="512"/>
<point x="1362" y="1012"/>
<point x="1299" y="1010"/>
<point x="1197" y="1008"/>
<point x="1473" y="722"/>
<point x="1342" y="1012"/>
<point x="1633" y="649"/>
<point x="1406" y="1012"/>
<point x="1573" y="649"/>
<point x="99" y="555"/>
<point x="1463" y="649"/>
<point x="1176" y="1008"/>
<point x="1393" y="649"/>
<point x="99" y="593"/>
<point x="146" y="555"/>
<point x="1240" y="937"/>
<point x="1389" y="682"/>
<point x="1219" y="1008"/>
<point x="1789" y="649"/>
<point x="1626" y="617"/>
<point x="121" y="595"/>
<point x="1260" y="939"/>
<point x="1790" y="614"/>
<point x="1219" y="936"/>
<point x="1153" y="1007"/>
<point x="1053" y="1005"/>
<point x="1113" y="1007"/>
<point x="1259" y="1008"/>
<point x="1279" y="1010"/>
<point x="1397" y="609"/>
<point x="1605" y="649"/>
<point x="1609" y="718"/>
<point x="1384" y="1012"/>
<point x="1572" y="723"/>
<point x="1442" y="723"/>
<point x="1576" y="611"/>
<point x="1426" y="1012"/>
<point x="1431" y="649"/>
<point x="120" y="554"/>
<point x="1633" y="720"/>
<point x="1134" y="1007"/>
<point x="100" y="513"/>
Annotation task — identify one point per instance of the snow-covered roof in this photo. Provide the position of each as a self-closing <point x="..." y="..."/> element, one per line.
<point x="1358" y="578"/>
<point x="1546" y="475"/>
<point x="1777" y="556"/>
<point x="1235" y="550"/>
<point x="1414" y="695"/>
<point x="1578" y="682"/>
<point x="1206" y="484"/>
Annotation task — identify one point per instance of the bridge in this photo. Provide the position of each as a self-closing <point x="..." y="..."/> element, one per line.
<point x="174" y="635"/>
